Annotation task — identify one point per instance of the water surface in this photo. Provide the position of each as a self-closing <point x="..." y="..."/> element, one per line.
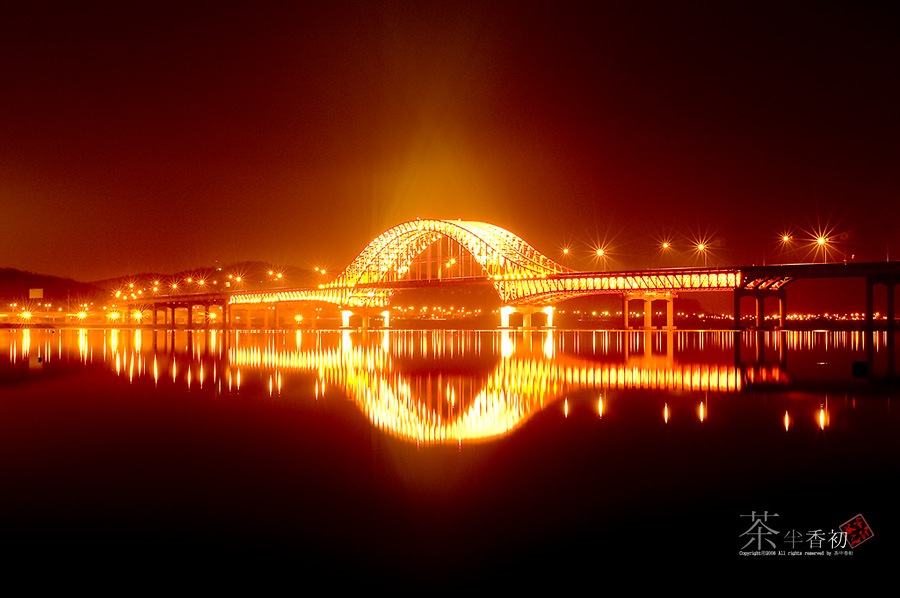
<point x="445" y="455"/>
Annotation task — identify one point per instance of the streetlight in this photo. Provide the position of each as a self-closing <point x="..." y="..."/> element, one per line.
<point x="664" y="249"/>
<point x="703" y="249"/>
<point x="786" y="240"/>
<point x="822" y="243"/>
<point x="821" y="238"/>
<point x="600" y="255"/>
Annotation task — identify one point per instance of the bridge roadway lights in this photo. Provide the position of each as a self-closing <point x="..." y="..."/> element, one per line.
<point x="648" y="298"/>
<point x="526" y="312"/>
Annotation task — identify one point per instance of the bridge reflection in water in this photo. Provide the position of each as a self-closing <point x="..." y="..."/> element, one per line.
<point x="455" y="386"/>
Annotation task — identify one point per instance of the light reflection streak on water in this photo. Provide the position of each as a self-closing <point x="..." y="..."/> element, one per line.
<point x="531" y="370"/>
<point x="519" y="386"/>
<point x="83" y="349"/>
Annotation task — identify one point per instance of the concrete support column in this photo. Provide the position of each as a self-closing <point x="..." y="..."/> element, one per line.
<point x="387" y="318"/>
<point x="527" y="315"/>
<point x="190" y="316"/>
<point x="870" y="303"/>
<point x="648" y="297"/>
<point x="153" y="319"/>
<point x="206" y="316"/>
<point x="759" y="298"/>
<point x="526" y="320"/>
<point x="890" y="305"/>
<point x="345" y="318"/>
<point x="782" y="308"/>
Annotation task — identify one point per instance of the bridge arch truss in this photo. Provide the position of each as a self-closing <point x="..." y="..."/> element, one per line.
<point x="520" y="274"/>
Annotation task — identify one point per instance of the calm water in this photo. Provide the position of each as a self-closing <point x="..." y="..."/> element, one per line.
<point x="445" y="455"/>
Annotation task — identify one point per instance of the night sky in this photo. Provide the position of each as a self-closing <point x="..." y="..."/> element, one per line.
<point x="156" y="136"/>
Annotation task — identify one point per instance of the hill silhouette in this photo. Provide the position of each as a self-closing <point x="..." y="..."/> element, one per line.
<point x="15" y="285"/>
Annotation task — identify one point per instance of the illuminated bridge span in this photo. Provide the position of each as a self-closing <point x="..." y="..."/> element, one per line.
<point x="425" y="253"/>
<point x="415" y="254"/>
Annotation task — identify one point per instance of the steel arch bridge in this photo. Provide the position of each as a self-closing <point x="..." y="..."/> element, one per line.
<point x="520" y="274"/>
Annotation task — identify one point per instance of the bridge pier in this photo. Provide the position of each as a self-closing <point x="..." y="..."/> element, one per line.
<point x="648" y="298"/>
<point x="759" y="297"/>
<point x="889" y="281"/>
<point x="365" y="314"/>
<point x="247" y="322"/>
<point x="270" y="317"/>
<point x="526" y="312"/>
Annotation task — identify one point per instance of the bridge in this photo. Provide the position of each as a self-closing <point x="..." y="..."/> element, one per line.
<point x="429" y="253"/>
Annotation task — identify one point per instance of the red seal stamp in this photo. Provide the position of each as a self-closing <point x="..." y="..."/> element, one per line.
<point x="857" y="531"/>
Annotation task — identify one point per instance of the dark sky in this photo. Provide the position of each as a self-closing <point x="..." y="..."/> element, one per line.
<point x="155" y="136"/>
